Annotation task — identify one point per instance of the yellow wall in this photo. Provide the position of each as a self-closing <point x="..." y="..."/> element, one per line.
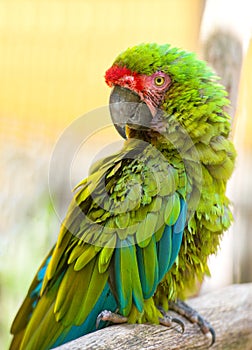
<point x="243" y="124"/>
<point x="53" y="54"/>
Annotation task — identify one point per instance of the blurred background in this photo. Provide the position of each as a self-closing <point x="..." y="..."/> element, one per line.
<point x="53" y="56"/>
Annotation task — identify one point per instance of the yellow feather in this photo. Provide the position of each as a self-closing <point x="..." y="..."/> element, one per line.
<point x="146" y="229"/>
<point x="106" y="255"/>
<point x="95" y="287"/>
<point x="88" y="254"/>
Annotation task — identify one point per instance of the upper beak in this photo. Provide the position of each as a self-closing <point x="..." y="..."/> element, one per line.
<point x="126" y="108"/>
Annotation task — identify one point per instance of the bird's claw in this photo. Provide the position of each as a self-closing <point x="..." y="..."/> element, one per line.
<point x="109" y="316"/>
<point x="168" y="320"/>
<point x="191" y="315"/>
<point x="206" y="328"/>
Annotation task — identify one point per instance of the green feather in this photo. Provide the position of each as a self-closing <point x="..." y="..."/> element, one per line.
<point x="106" y="255"/>
<point x="148" y="268"/>
<point x="123" y="220"/>
<point x="172" y="209"/>
<point x="146" y="229"/>
<point x="123" y="278"/>
<point x="89" y="252"/>
<point x="95" y="287"/>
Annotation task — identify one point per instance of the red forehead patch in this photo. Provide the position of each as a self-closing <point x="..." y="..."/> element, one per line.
<point x="115" y="73"/>
<point x="125" y="77"/>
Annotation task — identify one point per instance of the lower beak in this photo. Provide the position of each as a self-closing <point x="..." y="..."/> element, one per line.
<point x="126" y="108"/>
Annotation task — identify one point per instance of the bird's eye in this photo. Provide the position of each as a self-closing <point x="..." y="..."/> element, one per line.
<point x="159" y="80"/>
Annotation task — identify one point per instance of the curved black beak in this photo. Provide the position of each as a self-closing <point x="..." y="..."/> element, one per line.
<point x="126" y="108"/>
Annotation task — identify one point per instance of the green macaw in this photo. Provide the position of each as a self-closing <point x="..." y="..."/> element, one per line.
<point x="141" y="226"/>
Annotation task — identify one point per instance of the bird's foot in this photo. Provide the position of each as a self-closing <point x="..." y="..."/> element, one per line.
<point x="109" y="316"/>
<point x="167" y="320"/>
<point x="192" y="315"/>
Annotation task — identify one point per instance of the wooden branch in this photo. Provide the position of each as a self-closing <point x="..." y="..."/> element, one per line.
<point x="229" y="310"/>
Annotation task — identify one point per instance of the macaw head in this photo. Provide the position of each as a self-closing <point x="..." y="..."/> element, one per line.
<point x="157" y="86"/>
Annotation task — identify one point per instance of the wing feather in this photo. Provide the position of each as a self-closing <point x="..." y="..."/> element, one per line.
<point x="148" y="268"/>
<point x="114" y="246"/>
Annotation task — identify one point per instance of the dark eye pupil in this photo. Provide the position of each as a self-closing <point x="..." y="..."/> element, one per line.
<point x="159" y="80"/>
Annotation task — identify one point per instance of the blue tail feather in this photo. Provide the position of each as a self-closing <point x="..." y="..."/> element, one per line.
<point x="164" y="247"/>
<point x="177" y="232"/>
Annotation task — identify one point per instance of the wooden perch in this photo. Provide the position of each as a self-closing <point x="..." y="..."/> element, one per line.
<point x="229" y="310"/>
